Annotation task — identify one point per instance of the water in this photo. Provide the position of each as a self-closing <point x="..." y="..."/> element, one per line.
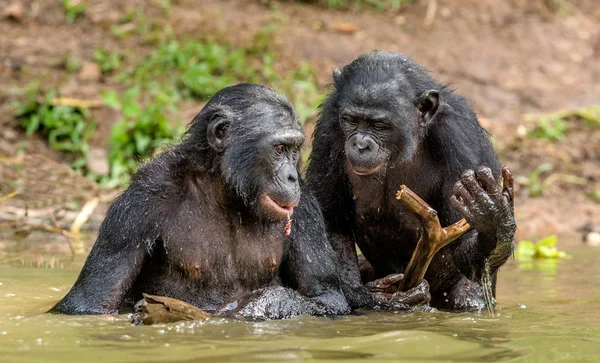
<point x="546" y="312"/>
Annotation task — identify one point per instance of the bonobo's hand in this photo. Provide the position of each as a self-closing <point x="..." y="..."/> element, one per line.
<point x="270" y="303"/>
<point x="386" y="295"/>
<point x="486" y="206"/>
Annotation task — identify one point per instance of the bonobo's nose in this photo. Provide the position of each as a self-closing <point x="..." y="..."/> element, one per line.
<point x="289" y="175"/>
<point x="292" y="177"/>
<point x="363" y="144"/>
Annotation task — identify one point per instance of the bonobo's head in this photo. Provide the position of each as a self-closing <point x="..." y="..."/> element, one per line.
<point x="251" y="139"/>
<point x="385" y="102"/>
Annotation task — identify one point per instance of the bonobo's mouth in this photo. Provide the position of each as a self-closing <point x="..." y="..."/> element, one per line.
<point x="362" y="171"/>
<point x="281" y="209"/>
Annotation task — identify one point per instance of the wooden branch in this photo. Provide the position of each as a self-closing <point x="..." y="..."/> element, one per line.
<point x="433" y="237"/>
<point x="8" y="196"/>
<point x="75" y="102"/>
<point x="154" y="309"/>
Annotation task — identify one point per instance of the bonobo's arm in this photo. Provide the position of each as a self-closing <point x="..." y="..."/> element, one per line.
<point x="489" y="209"/>
<point x="308" y="273"/>
<point x="115" y="260"/>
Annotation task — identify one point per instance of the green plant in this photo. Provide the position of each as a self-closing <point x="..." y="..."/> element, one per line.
<point x="107" y="61"/>
<point x="73" y="9"/>
<point x="595" y="194"/>
<point x="536" y="186"/>
<point x="141" y="131"/>
<point x="301" y="87"/>
<point x="71" y="63"/>
<point x="68" y="129"/>
<point x="534" y="182"/>
<point x="551" y="127"/>
<point x="542" y="249"/>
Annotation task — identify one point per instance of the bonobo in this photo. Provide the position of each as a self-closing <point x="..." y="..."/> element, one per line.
<point x="204" y="222"/>
<point x="387" y="123"/>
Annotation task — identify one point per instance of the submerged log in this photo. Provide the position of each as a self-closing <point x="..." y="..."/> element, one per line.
<point x="433" y="237"/>
<point x="154" y="309"/>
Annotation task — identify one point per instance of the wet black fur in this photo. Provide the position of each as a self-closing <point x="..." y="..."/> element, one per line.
<point x="453" y="142"/>
<point x="188" y="227"/>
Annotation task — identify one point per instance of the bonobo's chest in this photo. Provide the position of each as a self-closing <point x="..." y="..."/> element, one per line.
<point x="386" y="232"/>
<point x="218" y="253"/>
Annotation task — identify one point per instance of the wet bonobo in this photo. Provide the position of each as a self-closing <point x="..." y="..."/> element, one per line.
<point x="204" y="222"/>
<point x="388" y="123"/>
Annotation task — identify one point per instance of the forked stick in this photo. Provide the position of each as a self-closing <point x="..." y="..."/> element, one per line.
<point x="433" y="237"/>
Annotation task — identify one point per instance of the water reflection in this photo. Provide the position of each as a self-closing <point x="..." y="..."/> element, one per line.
<point x="543" y="314"/>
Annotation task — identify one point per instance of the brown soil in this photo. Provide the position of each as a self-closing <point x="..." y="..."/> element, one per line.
<point x="508" y="57"/>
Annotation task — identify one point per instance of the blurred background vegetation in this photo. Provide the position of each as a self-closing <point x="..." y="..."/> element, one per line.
<point x="100" y="86"/>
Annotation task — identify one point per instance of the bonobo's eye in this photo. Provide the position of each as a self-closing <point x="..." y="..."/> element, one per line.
<point x="296" y="150"/>
<point x="347" y="120"/>
<point x="380" y="126"/>
<point x="279" y="149"/>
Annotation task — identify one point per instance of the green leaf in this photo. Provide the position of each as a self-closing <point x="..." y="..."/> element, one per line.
<point x="525" y="250"/>
<point x="111" y="99"/>
<point x="549" y="241"/>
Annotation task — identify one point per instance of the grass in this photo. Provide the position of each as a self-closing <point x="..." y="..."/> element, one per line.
<point x="67" y="129"/>
<point x="140" y="132"/>
<point x="553" y="126"/>
<point x="150" y="86"/>
<point x="73" y="9"/>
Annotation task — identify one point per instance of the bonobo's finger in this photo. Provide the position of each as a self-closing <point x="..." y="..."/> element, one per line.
<point x="469" y="180"/>
<point x="461" y="193"/>
<point x="137" y="318"/>
<point x="460" y="207"/>
<point x="508" y="185"/>
<point x="487" y="181"/>
<point x="415" y="296"/>
<point x="383" y="284"/>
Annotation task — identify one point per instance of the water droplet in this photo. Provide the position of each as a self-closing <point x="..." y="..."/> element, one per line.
<point x="445" y="293"/>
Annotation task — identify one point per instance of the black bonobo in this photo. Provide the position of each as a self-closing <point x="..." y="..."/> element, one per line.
<point x="204" y="222"/>
<point x="387" y="123"/>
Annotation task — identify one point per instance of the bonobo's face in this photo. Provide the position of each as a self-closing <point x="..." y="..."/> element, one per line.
<point x="259" y="142"/>
<point x="279" y="156"/>
<point x="381" y="114"/>
<point x="377" y="131"/>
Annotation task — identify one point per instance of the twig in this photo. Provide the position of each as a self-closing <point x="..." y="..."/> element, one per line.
<point x="433" y="237"/>
<point x="44" y="227"/>
<point x="84" y="215"/>
<point x="75" y="102"/>
<point x="430" y="14"/>
<point x="8" y="196"/>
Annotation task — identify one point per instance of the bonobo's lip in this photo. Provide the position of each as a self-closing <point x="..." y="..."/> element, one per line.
<point x="365" y="171"/>
<point x="282" y="208"/>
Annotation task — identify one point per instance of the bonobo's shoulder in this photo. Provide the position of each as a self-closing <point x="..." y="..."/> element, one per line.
<point x="161" y="174"/>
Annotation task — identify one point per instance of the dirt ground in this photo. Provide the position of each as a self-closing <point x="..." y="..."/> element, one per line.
<point x="507" y="57"/>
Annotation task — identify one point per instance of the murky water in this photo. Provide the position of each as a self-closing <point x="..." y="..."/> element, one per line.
<point x="547" y="312"/>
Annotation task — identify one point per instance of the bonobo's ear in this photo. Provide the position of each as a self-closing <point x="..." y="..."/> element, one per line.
<point x="216" y="132"/>
<point x="337" y="77"/>
<point x="428" y="106"/>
